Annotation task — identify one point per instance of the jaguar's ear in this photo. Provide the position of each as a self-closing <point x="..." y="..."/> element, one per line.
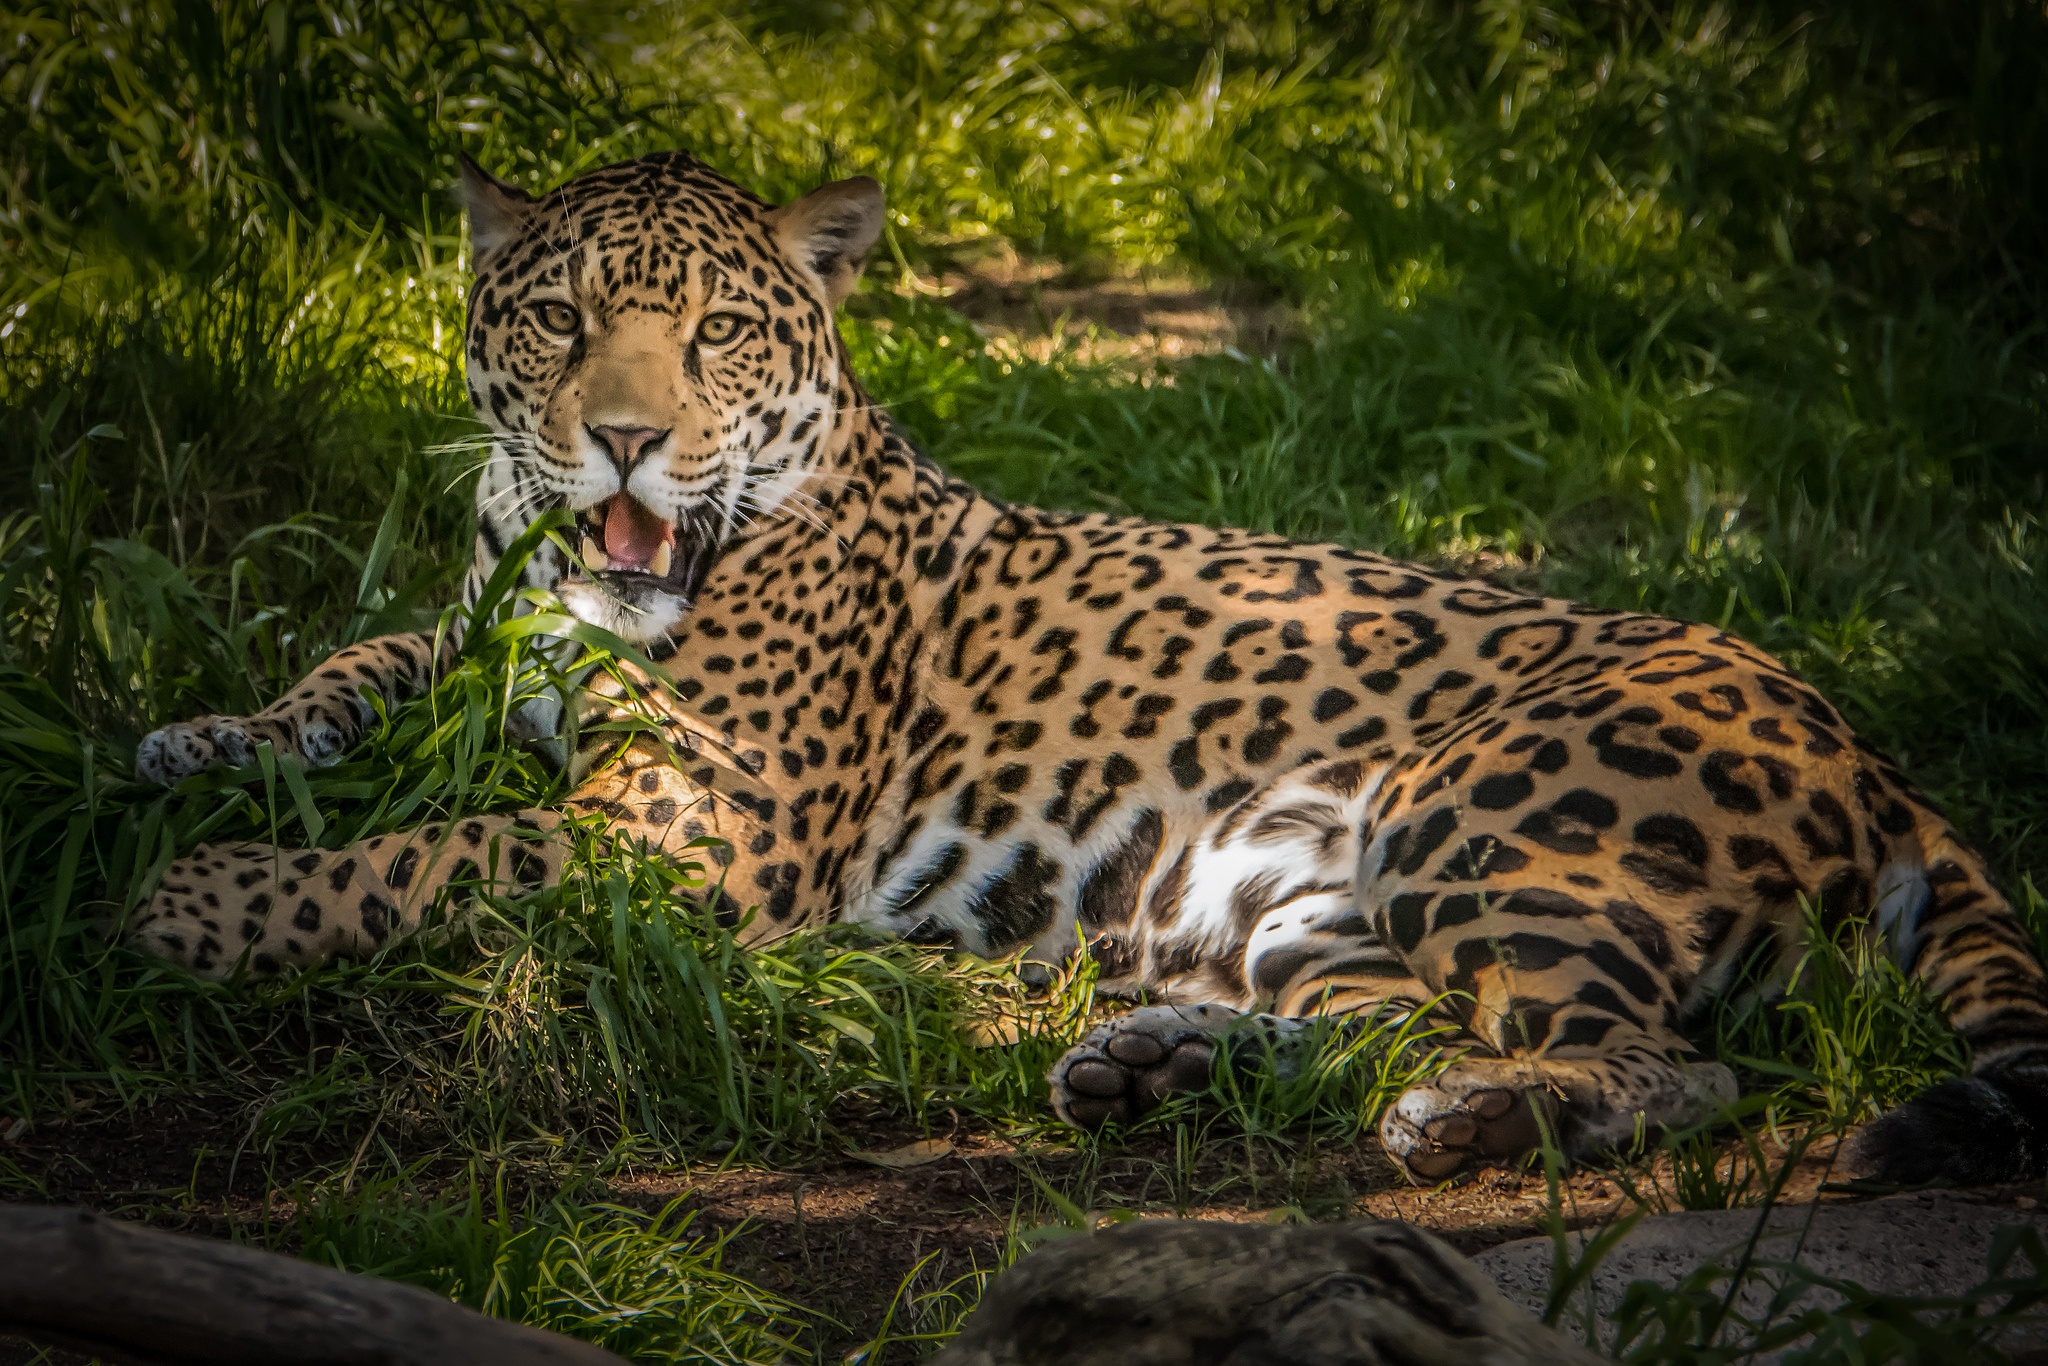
<point x="831" y="229"/>
<point x="497" y="211"/>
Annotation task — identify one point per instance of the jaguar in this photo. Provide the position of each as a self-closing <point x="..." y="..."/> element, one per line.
<point x="1261" y="782"/>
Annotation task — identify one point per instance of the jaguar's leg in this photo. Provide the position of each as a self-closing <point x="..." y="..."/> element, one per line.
<point x="1582" y="1037"/>
<point x="668" y="795"/>
<point x="227" y="906"/>
<point x="1485" y="1110"/>
<point x="1127" y="1066"/>
<point x="1565" y="931"/>
<point x="315" y="722"/>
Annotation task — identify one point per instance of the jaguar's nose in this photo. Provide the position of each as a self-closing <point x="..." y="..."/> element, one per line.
<point x="628" y="444"/>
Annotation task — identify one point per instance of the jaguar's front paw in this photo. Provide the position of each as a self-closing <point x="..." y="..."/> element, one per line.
<point x="1126" y="1067"/>
<point x="175" y="752"/>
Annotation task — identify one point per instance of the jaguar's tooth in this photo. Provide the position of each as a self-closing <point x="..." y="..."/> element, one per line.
<point x="593" y="558"/>
<point x="663" y="556"/>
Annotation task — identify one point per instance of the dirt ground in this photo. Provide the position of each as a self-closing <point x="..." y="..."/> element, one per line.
<point x="845" y="1235"/>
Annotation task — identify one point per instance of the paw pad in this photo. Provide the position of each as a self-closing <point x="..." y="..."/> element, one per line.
<point x="1437" y="1131"/>
<point x="1127" y="1067"/>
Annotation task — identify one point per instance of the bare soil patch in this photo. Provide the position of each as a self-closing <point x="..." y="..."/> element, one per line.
<point x="841" y="1235"/>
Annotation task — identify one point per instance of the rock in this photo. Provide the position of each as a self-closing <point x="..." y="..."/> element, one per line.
<point x="1925" y="1244"/>
<point x="1190" y="1293"/>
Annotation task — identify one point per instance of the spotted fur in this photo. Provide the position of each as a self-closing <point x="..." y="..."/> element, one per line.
<point x="1252" y="775"/>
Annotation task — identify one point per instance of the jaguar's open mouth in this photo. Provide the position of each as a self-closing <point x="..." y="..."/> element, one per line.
<point x="628" y="547"/>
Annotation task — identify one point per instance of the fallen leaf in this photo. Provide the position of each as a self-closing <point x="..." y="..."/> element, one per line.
<point x="994" y="1031"/>
<point x="909" y="1155"/>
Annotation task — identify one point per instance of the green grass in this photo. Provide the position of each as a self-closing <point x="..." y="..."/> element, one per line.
<point x="1729" y="313"/>
<point x="642" y="1285"/>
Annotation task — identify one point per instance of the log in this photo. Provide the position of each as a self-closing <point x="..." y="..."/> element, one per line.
<point x="71" y="1278"/>
<point x="1188" y="1293"/>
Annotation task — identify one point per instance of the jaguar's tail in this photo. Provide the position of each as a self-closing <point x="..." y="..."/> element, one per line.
<point x="1958" y="934"/>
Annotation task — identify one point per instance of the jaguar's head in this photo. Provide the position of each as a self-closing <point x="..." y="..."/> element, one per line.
<point x="653" y="348"/>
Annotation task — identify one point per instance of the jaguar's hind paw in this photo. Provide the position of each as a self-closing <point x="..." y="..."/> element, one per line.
<point x="1474" y="1114"/>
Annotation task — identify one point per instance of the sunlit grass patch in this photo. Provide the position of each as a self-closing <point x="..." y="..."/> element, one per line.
<point x="1334" y="1079"/>
<point x="1846" y="1036"/>
<point x="649" y="1287"/>
<point x="611" y="1010"/>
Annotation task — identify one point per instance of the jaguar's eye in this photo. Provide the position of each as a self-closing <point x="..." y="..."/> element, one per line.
<point x="558" y="318"/>
<point x="719" y="329"/>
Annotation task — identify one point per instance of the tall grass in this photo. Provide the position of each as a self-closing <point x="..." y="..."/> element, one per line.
<point x="612" y="1009"/>
<point x="646" y="1287"/>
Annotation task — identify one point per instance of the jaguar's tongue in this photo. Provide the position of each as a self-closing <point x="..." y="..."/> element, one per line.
<point x="633" y="535"/>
